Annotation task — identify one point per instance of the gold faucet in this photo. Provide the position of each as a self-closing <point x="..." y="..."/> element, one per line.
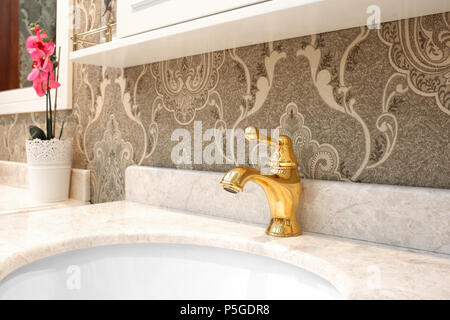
<point x="282" y="186"/>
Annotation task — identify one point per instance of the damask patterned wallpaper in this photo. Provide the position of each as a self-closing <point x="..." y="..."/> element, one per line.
<point x="361" y="105"/>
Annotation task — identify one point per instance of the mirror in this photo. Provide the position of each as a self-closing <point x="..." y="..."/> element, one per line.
<point x="16" y="92"/>
<point x="21" y="13"/>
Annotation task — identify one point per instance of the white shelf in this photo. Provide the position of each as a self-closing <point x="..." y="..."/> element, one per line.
<point x="268" y="21"/>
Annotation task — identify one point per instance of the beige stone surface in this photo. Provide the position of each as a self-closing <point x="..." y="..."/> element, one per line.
<point x="15" y="174"/>
<point x="410" y="217"/>
<point x="358" y="270"/>
<point x="17" y="200"/>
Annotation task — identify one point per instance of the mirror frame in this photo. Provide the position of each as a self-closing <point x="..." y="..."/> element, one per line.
<point x="25" y="100"/>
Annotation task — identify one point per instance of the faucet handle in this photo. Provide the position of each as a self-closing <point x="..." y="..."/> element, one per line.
<point x="251" y="133"/>
<point x="283" y="156"/>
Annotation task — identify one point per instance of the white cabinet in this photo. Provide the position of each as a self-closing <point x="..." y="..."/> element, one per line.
<point x="144" y="39"/>
<point x="137" y="16"/>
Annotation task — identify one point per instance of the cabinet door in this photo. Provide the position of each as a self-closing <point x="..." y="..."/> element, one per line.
<point x="136" y="16"/>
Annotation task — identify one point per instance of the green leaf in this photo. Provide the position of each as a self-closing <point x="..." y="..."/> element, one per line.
<point x="47" y="39"/>
<point x="36" y="133"/>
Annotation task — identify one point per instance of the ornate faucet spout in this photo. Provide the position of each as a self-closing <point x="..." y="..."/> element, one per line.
<point x="282" y="186"/>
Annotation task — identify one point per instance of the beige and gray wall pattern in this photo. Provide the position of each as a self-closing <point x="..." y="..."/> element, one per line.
<point x="361" y="105"/>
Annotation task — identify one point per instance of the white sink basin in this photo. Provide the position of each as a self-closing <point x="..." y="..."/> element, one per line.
<point x="163" y="271"/>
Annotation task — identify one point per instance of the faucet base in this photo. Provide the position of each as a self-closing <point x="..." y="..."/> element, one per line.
<point x="281" y="227"/>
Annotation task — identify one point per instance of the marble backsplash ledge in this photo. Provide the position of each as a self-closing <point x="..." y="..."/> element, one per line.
<point x="417" y="218"/>
<point x="409" y="217"/>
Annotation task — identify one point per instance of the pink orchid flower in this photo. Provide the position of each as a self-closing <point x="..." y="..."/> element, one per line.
<point x="39" y="76"/>
<point x="40" y="81"/>
<point x="42" y="65"/>
<point x="41" y="50"/>
<point x="37" y="47"/>
<point x="42" y="69"/>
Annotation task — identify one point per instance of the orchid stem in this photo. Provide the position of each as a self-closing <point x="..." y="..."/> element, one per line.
<point x="49" y="107"/>
<point x="56" y="92"/>
<point x="46" y="114"/>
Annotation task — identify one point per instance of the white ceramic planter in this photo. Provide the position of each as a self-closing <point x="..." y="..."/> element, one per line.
<point x="49" y="168"/>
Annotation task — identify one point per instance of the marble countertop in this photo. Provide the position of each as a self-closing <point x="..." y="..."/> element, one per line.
<point x="359" y="270"/>
<point x="13" y="200"/>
